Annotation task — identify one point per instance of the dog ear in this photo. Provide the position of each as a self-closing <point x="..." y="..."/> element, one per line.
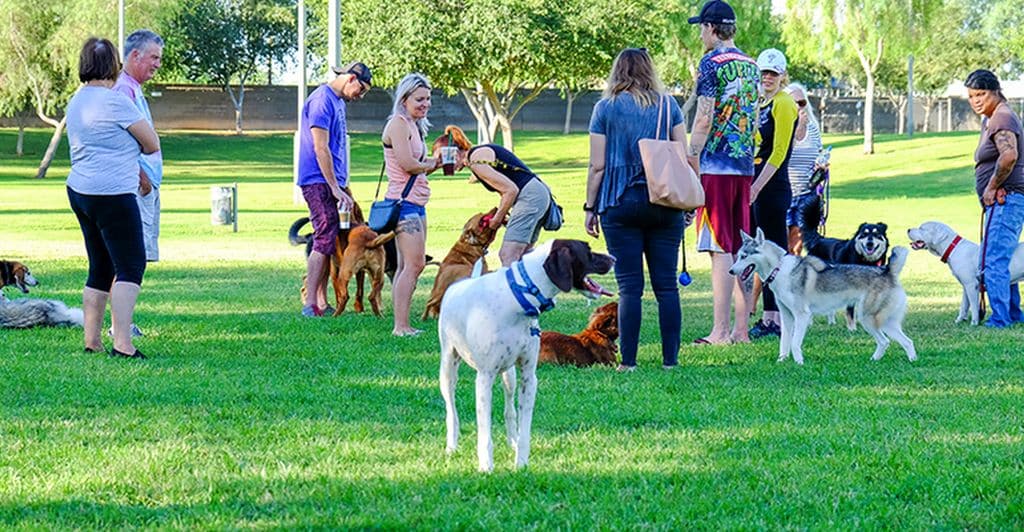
<point x="558" y="266"/>
<point x="759" y="238"/>
<point x="861" y="228"/>
<point x="745" y="236"/>
<point x="883" y="226"/>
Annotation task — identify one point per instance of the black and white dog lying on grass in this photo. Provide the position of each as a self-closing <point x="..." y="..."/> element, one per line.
<point x="30" y="312"/>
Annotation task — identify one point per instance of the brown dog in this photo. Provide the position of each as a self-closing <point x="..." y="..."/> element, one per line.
<point x="363" y="255"/>
<point x="595" y="345"/>
<point x="458" y="264"/>
<point x="16" y="274"/>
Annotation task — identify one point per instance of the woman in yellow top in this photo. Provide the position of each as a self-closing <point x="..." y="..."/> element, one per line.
<point x="770" y="193"/>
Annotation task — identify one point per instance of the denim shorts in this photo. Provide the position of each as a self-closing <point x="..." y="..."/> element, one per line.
<point x="411" y="210"/>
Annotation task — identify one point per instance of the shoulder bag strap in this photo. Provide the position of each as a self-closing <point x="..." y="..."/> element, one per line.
<point x="379" y="180"/>
<point x="657" y="131"/>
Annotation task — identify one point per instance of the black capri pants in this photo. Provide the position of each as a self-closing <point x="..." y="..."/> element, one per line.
<point x="769" y="214"/>
<point x="113" y="238"/>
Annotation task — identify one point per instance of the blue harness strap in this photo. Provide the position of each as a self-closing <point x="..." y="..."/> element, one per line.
<point x="520" y="292"/>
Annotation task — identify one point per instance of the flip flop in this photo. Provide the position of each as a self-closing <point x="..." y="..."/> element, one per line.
<point x="705" y="341"/>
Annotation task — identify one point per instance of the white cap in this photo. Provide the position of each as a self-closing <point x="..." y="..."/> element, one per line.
<point x="773" y="60"/>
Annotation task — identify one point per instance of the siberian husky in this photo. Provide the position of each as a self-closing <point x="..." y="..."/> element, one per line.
<point x="30" y="312"/>
<point x="805" y="286"/>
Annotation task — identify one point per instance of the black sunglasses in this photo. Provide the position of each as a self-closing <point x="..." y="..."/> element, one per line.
<point x="801" y="103"/>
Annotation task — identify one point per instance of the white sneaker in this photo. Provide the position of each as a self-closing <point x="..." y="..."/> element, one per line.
<point x="136" y="331"/>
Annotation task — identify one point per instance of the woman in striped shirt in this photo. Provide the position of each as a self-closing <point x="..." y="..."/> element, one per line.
<point x="806" y="146"/>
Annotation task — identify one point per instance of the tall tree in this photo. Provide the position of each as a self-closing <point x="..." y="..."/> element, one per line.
<point x="228" y="41"/>
<point x="500" y="54"/>
<point x="854" y="38"/>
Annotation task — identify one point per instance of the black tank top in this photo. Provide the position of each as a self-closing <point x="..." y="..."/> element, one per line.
<point x="508" y="165"/>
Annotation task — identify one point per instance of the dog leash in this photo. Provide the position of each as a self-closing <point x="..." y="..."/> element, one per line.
<point x="986" y="224"/>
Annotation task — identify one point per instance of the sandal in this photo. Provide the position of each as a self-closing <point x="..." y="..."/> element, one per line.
<point x="137" y="354"/>
<point x="705" y="341"/>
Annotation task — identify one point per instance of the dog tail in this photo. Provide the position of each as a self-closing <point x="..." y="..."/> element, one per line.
<point x="74" y="318"/>
<point x="897" y="260"/>
<point x="808" y="216"/>
<point x="478" y="268"/>
<point x="293" y="232"/>
<point x="381" y="240"/>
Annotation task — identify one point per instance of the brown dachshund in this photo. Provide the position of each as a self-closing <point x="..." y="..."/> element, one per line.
<point x="458" y="264"/>
<point x="595" y="345"/>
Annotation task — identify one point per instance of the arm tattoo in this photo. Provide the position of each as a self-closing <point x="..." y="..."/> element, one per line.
<point x="1005" y="141"/>
<point x="705" y="106"/>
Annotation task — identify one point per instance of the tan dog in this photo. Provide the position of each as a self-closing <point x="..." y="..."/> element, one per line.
<point x="362" y="255"/>
<point x="16" y="274"/>
<point x="458" y="264"/>
<point x="594" y="345"/>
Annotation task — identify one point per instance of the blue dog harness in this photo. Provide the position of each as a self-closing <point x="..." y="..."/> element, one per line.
<point x="520" y="292"/>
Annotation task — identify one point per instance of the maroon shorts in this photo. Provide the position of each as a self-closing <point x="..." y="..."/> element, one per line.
<point x="323" y="214"/>
<point x="726" y="211"/>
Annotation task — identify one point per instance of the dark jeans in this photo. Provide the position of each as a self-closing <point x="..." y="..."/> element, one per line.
<point x="768" y="213"/>
<point x="113" y="238"/>
<point x="635" y="229"/>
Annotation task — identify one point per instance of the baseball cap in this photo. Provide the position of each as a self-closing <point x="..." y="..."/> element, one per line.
<point x="715" y="12"/>
<point x="360" y="70"/>
<point x="772" y="60"/>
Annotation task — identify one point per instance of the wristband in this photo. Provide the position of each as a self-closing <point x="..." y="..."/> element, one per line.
<point x="587" y="208"/>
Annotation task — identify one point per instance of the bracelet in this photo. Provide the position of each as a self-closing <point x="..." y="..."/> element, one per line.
<point x="587" y="208"/>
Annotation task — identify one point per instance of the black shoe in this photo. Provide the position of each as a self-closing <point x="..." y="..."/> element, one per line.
<point x="762" y="329"/>
<point x="91" y="350"/>
<point x="137" y="354"/>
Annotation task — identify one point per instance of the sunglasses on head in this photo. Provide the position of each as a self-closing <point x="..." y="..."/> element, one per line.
<point x="801" y="103"/>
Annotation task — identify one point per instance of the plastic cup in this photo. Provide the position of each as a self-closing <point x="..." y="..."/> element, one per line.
<point x="344" y="218"/>
<point x="448" y="155"/>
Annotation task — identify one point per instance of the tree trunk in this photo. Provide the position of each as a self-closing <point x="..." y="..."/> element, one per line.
<point x="506" y="135"/>
<point x="51" y="150"/>
<point x="569" y="97"/>
<point x="238" y="103"/>
<point x="927" y="113"/>
<point x="20" y="147"/>
<point x="478" y="106"/>
<point x="869" y="110"/>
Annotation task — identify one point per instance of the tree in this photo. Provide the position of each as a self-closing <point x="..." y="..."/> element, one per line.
<point x="500" y="54"/>
<point x="39" y="55"/>
<point x="228" y="41"/>
<point x="855" y="37"/>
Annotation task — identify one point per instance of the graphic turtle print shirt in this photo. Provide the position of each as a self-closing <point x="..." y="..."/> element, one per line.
<point x="731" y="78"/>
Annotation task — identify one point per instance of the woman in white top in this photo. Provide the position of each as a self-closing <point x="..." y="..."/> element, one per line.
<point x="806" y="146"/>
<point x="106" y="133"/>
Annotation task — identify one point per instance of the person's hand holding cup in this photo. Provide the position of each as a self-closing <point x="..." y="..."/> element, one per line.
<point x="449" y="154"/>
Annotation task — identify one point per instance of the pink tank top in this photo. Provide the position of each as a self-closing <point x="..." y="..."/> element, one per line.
<point x="397" y="178"/>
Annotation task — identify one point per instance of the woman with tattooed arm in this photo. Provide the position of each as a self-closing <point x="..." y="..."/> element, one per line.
<point x="999" y="182"/>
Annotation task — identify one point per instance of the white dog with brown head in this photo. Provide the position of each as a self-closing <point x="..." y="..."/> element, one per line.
<point x="490" y="322"/>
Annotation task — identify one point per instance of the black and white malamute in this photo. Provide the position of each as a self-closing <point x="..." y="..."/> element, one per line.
<point x="30" y="312"/>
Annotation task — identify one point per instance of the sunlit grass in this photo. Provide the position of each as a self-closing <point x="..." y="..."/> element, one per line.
<point x="248" y="415"/>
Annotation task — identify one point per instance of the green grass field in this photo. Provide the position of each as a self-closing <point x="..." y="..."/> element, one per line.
<point x="248" y="415"/>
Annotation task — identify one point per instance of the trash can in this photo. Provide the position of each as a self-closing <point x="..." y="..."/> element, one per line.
<point x="224" y="205"/>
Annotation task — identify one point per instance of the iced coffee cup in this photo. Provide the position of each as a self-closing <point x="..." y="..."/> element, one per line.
<point x="448" y="155"/>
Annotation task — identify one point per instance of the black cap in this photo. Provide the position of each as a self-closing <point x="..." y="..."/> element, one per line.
<point x="715" y="12"/>
<point x="359" y="70"/>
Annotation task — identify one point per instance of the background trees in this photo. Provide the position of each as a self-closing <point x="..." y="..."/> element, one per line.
<point x="227" y="41"/>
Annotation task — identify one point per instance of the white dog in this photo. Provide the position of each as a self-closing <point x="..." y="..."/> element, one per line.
<point x="490" y="322"/>
<point x="962" y="257"/>
<point x="805" y="286"/>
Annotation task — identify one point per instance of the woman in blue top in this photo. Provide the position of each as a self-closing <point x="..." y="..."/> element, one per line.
<point x="617" y="200"/>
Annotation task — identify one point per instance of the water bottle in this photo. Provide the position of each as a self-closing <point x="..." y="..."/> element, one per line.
<point x="820" y="168"/>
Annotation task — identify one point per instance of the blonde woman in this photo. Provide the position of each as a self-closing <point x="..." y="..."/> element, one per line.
<point x="404" y="160"/>
<point x="617" y="200"/>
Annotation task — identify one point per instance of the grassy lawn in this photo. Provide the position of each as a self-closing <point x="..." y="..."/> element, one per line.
<point x="248" y="415"/>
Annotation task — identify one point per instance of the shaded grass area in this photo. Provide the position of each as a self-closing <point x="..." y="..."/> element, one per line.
<point x="250" y="416"/>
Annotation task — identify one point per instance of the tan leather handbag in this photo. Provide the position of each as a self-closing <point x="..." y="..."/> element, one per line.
<point x="670" y="180"/>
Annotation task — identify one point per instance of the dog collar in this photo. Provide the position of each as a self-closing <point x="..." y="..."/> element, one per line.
<point x="521" y="290"/>
<point x="771" y="276"/>
<point x="949" y="250"/>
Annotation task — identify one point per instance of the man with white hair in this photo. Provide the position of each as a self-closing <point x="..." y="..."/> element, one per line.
<point x="143" y="50"/>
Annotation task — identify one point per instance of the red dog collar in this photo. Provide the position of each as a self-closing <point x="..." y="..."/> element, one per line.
<point x="949" y="250"/>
